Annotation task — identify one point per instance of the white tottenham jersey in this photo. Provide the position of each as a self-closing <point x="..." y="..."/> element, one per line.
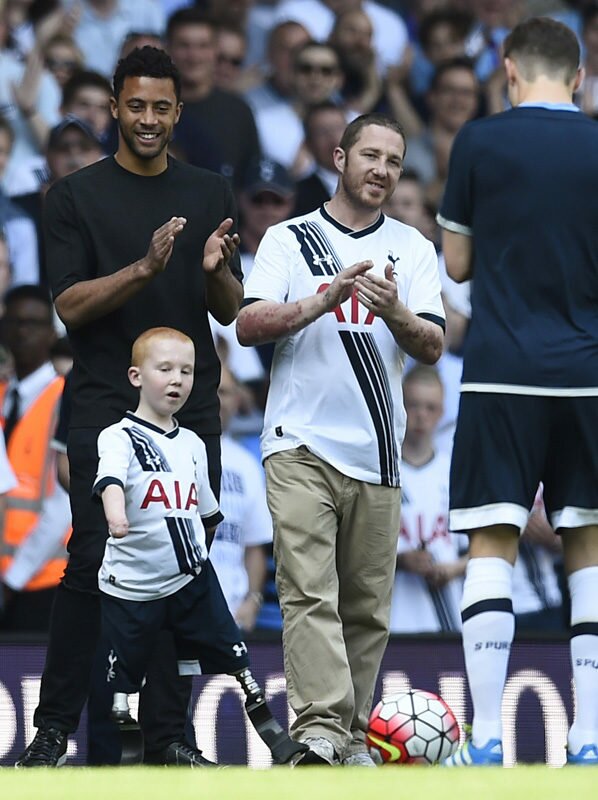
<point x="336" y="384"/>
<point x="247" y="521"/>
<point x="416" y="606"/>
<point x="168" y="502"/>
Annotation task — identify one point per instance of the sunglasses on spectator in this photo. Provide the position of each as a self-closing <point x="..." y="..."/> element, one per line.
<point x="234" y="61"/>
<point x="268" y="199"/>
<point x="304" y="68"/>
<point x="61" y="63"/>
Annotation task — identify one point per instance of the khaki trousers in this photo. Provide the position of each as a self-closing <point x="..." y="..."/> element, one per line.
<point x="335" y="545"/>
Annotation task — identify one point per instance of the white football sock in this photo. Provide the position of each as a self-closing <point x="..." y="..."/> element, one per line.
<point x="583" y="587"/>
<point x="488" y="629"/>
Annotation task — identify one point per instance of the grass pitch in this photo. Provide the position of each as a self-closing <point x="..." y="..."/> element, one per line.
<point x="394" y="783"/>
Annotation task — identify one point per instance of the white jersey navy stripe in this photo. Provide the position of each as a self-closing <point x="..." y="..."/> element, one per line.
<point x="336" y="384"/>
<point x="167" y="493"/>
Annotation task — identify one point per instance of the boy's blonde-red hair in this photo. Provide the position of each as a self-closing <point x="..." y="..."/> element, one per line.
<point x="143" y="342"/>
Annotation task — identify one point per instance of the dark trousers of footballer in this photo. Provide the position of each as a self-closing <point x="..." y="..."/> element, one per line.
<point x="75" y="625"/>
<point x="198" y="617"/>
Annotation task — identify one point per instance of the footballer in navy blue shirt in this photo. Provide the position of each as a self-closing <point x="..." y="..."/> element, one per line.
<point x="520" y="218"/>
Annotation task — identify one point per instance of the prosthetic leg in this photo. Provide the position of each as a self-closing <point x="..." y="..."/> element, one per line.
<point x="284" y="750"/>
<point x="131" y="736"/>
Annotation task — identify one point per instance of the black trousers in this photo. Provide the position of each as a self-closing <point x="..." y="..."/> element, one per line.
<point x="75" y="623"/>
<point x="28" y="611"/>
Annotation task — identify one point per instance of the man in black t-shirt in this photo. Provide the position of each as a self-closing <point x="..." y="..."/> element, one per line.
<point x="135" y="241"/>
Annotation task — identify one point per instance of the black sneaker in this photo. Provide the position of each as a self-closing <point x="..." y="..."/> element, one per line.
<point x="179" y="754"/>
<point x="48" y="749"/>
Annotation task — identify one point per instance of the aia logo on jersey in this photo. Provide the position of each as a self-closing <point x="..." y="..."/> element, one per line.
<point x="181" y="498"/>
<point x="358" y="315"/>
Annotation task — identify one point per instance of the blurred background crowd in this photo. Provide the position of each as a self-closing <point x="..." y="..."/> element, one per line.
<point x="268" y="88"/>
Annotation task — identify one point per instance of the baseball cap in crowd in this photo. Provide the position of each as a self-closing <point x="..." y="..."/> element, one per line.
<point x="265" y="175"/>
<point x="70" y="122"/>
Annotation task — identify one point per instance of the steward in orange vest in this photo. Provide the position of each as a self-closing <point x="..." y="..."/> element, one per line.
<point x="33" y="463"/>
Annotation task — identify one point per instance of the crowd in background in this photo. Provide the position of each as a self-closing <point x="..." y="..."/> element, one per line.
<point x="268" y="88"/>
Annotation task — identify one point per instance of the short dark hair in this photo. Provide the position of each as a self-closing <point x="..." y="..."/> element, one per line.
<point x="188" y="16"/>
<point x="317" y="108"/>
<point x="543" y="46"/>
<point x="29" y="291"/>
<point x="80" y="78"/>
<point x="146" y="62"/>
<point x="459" y="62"/>
<point x="459" y="21"/>
<point x="354" y="128"/>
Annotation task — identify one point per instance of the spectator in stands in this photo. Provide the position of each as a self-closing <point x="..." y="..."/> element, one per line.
<point x="408" y="205"/>
<point x="267" y="198"/>
<point x="453" y="100"/>
<point x="492" y="20"/>
<point x="87" y="96"/>
<point x="317" y="77"/>
<point x="283" y="40"/>
<point x="441" y="36"/>
<point x="237" y="552"/>
<point x="323" y="125"/>
<point x="72" y="145"/>
<point x="37" y="521"/>
<point x="16" y="226"/>
<point x="430" y="565"/>
<point x="231" y="46"/>
<point x="389" y="30"/>
<point x="135" y="39"/>
<point x="191" y="42"/>
<point x="104" y="24"/>
<point x="29" y="99"/>
<point x="62" y="57"/>
<point x="351" y="36"/>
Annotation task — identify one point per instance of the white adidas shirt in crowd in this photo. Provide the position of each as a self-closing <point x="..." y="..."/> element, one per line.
<point x="168" y="501"/>
<point x="247" y="521"/>
<point x="416" y="606"/>
<point x="336" y="384"/>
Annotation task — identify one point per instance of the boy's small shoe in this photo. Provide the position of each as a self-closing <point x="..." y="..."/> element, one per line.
<point x="468" y="755"/>
<point x="588" y="755"/>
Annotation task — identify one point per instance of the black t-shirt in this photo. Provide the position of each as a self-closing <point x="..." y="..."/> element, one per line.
<point x="237" y="142"/>
<point x="98" y="221"/>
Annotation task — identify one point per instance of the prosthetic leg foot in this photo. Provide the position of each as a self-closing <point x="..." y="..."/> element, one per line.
<point x="131" y="736"/>
<point x="284" y="750"/>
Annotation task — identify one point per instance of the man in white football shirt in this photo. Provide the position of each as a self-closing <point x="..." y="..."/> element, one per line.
<point x="344" y="292"/>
